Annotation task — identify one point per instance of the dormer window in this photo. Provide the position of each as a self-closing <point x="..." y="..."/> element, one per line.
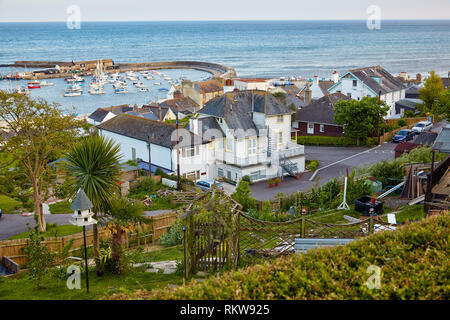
<point x="355" y="83"/>
<point x="79" y="212"/>
<point x="280" y="119"/>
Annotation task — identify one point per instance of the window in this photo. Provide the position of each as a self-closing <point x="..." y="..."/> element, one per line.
<point x="280" y="137"/>
<point x="280" y="119"/>
<point x="228" y="174"/>
<point x="190" y="151"/>
<point x="355" y="83"/>
<point x="322" y="128"/>
<point x="211" y="145"/>
<point x="220" y="172"/>
<point x="251" y="146"/>
<point x="349" y="95"/>
<point x="229" y="144"/>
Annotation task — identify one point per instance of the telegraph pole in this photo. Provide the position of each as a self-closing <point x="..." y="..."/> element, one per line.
<point x="178" y="152"/>
<point x="378" y="117"/>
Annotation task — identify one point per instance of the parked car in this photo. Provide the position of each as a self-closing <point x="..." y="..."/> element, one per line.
<point x="403" y="135"/>
<point x="206" y="185"/>
<point x="422" y="126"/>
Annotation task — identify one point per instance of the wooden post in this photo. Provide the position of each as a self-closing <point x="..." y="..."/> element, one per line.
<point x="371" y="222"/>
<point x="302" y="231"/>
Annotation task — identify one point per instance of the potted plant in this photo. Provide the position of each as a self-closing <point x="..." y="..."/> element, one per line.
<point x="298" y="176"/>
<point x="270" y="183"/>
<point x="277" y="181"/>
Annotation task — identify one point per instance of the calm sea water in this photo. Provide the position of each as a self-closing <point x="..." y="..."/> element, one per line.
<point x="253" y="48"/>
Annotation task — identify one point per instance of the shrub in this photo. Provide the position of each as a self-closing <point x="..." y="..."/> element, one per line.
<point x="402" y="123"/>
<point x="243" y="195"/>
<point x="409" y="114"/>
<point x="313" y="165"/>
<point x="174" y="236"/>
<point x="339" y="272"/>
<point x="247" y="179"/>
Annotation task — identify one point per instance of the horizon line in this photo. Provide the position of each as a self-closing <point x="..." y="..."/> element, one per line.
<point x="233" y="20"/>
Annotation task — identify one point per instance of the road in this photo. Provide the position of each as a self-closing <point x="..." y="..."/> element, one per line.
<point x="333" y="162"/>
<point x="12" y="224"/>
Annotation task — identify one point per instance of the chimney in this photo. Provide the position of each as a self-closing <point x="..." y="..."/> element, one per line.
<point x="136" y="108"/>
<point x="316" y="80"/>
<point x="177" y="94"/>
<point x="308" y="95"/>
<point x="335" y="76"/>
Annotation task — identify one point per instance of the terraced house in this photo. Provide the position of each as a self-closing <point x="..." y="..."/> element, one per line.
<point x="370" y="82"/>
<point x="249" y="133"/>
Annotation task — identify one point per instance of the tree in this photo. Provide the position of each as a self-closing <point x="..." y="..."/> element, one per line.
<point x="40" y="133"/>
<point x="40" y="259"/>
<point x="431" y="93"/>
<point x="122" y="216"/>
<point x="243" y="195"/>
<point x="281" y="97"/>
<point x="94" y="163"/>
<point x="359" y="117"/>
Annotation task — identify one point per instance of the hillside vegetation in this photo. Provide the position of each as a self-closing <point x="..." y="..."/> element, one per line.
<point x="414" y="262"/>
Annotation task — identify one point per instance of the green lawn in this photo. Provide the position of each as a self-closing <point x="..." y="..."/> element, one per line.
<point x="52" y="231"/>
<point x="170" y="253"/>
<point x="24" y="288"/>
<point x="61" y="207"/>
<point x="55" y="288"/>
<point x="8" y="204"/>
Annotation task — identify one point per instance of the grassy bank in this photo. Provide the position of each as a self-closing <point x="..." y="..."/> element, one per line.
<point x="52" y="231"/>
<point x="8" y="205"/>
<point x="413" y="261"/>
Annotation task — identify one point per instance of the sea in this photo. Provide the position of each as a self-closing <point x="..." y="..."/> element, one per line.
<point x="254" y="48"/>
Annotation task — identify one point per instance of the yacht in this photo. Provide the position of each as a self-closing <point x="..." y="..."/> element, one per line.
<point x="157" y="83"/>
<point x="34" y="84"/>
<point x="120" y="90"/>
<point x="143" y="90"/>
<point x="72" y="94"/>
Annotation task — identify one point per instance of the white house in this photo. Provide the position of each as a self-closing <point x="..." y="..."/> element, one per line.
<point x="132" y="134"/>
<point x="104" y="114"/>
<point x="250" y="134"/>
<point x="251" y="84"/>
<point x="370" y="82"/>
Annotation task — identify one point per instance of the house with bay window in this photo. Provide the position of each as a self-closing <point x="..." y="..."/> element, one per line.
<point x="134" y="135"/>
<point x="371" y="82"/>
<point x="249" y="133"/>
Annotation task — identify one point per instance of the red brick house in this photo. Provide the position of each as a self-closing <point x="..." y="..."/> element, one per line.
<point x="317" y="118"/>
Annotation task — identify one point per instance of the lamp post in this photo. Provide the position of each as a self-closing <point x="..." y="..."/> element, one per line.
<point x="82" y="217"/>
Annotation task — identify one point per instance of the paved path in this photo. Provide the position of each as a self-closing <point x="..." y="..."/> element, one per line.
<point x="331" y="158"/>
<point x="12" y="224"/>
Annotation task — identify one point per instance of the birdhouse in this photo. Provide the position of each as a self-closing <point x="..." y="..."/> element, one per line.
<point x="82" y="215"/>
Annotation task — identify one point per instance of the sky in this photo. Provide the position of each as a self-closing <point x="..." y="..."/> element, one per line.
<point x="163" y="10"/>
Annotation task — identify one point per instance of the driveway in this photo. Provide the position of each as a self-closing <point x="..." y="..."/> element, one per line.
<point x="12" y="224"/>
<point x="333" y="162"/>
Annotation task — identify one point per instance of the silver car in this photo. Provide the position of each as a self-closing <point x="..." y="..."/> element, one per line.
<point x="422" y="126"/>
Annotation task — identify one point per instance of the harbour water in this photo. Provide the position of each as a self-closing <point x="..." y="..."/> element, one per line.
<point x="253" y="48"/>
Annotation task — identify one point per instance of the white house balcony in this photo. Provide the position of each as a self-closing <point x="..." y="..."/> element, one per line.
<point x="291" y="150"/>
<point x="233" y="159"/>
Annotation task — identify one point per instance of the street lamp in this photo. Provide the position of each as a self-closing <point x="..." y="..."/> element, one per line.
<point x="82" y="217"/>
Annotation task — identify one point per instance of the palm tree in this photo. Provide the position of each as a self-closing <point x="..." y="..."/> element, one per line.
<point x="94" y="163"/>
<point x="122" y="216"/>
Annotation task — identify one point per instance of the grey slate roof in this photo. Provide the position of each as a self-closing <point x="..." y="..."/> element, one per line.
<point x="147" y="115"/>
<point x="140" y="128"/>
<point x="81" y="202"/>
<point x="442" y="142"/>
<point x="98" y="115"/>
<point x="321" y="110"/>
<point x="236" y="109"/>
<point x="209" y="123"/>
<point x="409" y="103"/>
<point x="388" y="82"/>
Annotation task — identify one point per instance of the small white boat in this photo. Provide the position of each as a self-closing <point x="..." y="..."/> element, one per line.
<point x="72" y="94"/>
<point x="140" y="85"/>
<point x="46" y="84"/>
<point x="120" y="90"/>
<point x="157" y="83"/>
<point x="143" y="90"/>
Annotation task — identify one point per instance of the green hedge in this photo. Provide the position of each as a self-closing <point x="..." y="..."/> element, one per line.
<point x="413" y="261"/>
<point x="334" y="141"/>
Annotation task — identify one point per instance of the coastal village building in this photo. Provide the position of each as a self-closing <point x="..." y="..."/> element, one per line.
<point x="251" y="84"/>
<point x="370" y="81"/>
<point x="201" y="92"/>
<point x="132" y="134"/>
<point x="317" y="118"/>
<point x="104" y="114"/>
<point x="161" y="113"/>
<point x="185" y="104"/>
<point x="250" y="136"/>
